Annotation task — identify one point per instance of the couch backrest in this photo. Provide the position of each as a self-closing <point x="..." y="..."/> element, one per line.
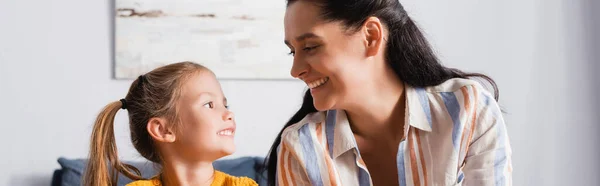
<point x="72" y="170"/>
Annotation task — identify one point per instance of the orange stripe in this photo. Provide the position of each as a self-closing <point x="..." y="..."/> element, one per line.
<point x="332" y="179"/>
<point x="319" y="133"/>
<point x="421" y="156"/>
<point x="284" y="170"/>
<point x="289" y="162"/>
<point x="413" y="163"/>
<point x="291" y="156"/>
<point x="475" y="100"/>
<point x="467" y="110"/>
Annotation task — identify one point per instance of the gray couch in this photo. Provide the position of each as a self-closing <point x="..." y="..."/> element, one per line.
<point x="72" y="170"/>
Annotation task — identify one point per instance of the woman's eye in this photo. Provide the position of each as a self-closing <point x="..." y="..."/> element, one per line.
<point x="308" y="49"/>
<point x="305" y="49"/>
<point x="209" y="105"/>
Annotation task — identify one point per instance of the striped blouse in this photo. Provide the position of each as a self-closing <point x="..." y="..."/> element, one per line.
<point x="455" y="135"/>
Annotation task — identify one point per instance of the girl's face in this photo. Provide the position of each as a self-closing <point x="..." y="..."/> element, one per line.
<point x="207" y="127"/>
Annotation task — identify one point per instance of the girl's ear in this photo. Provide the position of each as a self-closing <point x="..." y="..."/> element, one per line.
<point x="159" y="131"/>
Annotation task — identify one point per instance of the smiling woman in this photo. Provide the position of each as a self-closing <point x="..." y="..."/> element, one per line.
<point x="381" y="109"/>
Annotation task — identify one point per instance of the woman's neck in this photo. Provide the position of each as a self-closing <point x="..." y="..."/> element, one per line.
<point x="187" y="173"/>
<point x="379" y="111"/>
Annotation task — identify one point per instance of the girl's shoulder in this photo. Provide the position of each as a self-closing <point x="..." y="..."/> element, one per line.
<point x="224" y="179"/>
<point x="220" y="179"/>
<point x="151" y="182"/>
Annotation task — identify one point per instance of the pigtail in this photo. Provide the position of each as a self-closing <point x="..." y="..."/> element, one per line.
<point x="103" y="152"/>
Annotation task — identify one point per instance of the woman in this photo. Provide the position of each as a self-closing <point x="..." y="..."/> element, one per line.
<point x="381" y="109"/>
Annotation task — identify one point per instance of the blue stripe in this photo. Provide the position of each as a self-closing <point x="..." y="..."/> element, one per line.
<point x="500" y="156"/>
<point x="500" y="161"/>
<point x="424" y="103"/>
<point x="310" y="156"/>
<point x="363" y="177"/>
<point x="400" y="164"/>
<point x="454" y="110"/>
<point x="487" y="101"/>
<point x="329" y="129"/>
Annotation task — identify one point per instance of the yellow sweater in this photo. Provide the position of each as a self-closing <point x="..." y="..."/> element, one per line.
<point x="220" y="179"/>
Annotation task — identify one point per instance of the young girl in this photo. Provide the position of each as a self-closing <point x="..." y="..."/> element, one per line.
<point x="179" y="119"/>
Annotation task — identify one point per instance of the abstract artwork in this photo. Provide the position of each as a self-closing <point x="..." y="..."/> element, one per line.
<point x="237" y="39"/>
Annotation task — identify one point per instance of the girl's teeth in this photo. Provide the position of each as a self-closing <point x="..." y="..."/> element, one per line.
<point x="226" y="132"/>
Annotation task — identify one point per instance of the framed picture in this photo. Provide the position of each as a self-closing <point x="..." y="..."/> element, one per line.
<point x="237" y="39"/>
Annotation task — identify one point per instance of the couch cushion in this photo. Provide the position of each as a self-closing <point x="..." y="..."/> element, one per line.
<point x="73" y="169"/>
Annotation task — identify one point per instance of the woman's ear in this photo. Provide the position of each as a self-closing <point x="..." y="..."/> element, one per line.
<point x="373" y="36"/>
<point x="158" y="129"/>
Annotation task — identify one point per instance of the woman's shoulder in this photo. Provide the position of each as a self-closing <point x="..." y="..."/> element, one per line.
<point x="459" y="87"/>
<point x="453" y="85"/>
<point x="222" y="179"/>
<point x="290" y="133"/>
<point x="456" y="94"/>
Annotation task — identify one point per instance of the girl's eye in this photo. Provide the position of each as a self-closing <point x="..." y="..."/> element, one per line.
<point x="209" y="105"/>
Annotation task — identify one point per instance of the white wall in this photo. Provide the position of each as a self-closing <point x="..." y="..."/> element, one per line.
<point x="55" y="75"/>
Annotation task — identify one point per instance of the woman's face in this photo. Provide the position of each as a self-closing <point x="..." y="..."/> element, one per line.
<point x="327" y="57"/>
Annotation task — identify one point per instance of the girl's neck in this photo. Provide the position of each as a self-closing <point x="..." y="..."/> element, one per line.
<point x="187" y="173"/>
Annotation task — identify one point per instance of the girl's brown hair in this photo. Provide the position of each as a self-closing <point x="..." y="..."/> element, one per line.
<point x="152" y="95"/>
